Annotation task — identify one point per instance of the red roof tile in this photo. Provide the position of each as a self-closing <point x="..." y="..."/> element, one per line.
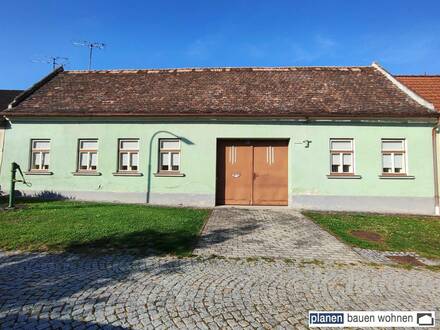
<point x="427" y="87"/>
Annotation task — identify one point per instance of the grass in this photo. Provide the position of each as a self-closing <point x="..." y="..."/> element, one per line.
<point x="406" y="233"/>
<point x="85" y="227"/>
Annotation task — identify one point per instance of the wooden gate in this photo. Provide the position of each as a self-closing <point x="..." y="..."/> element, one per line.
<point x="252" y="172"/>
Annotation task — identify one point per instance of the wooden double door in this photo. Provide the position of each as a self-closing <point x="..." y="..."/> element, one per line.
<point x="252" y="172"/>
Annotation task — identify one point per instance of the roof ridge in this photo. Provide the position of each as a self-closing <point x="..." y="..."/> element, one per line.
<point x="223" y="69"/>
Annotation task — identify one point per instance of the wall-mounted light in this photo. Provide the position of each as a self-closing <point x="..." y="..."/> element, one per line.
<point x="307" y="143"/>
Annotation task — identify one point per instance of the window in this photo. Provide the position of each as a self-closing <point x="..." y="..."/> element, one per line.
<point x="88" y="155"/>
<point x="341" y="156"/>
<point x="169" y="155"/>
<point x="393" y="157"/>
<point x="40" y="155"/>
<point x="128" y="155"/>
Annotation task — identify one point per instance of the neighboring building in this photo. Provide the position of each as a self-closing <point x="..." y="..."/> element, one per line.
<point x="6" y="97"/>
<point x="331" y="138"/>
<point x="428" y="87"/>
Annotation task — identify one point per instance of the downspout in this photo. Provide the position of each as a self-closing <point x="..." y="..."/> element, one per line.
<point x="435" y="163"/>
<point x="2" y="146"/>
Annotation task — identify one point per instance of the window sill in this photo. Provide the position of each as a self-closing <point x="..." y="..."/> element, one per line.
<point x="397" y="177"/>
<point x="127" y="174"/>
<point x="91" y="173"/>
<point x="160" y="174"/>
<point x="347" y="176"/>
<point x="38" y="173"/>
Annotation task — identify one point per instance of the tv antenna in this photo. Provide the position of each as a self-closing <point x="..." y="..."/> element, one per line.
<point x="90" y="46"/>
<point x="56" y="61"/>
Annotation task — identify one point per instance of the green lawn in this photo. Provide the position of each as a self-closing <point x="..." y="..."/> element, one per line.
<point x="86" y="227"/>
<point x="420" y="234"/>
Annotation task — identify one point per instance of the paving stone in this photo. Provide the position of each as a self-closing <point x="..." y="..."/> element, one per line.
<point x="273" y="233"/>
<point x="381" y="257"/>
<point x="122" y="291"/>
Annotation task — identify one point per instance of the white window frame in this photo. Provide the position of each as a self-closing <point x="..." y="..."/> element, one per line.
<point x="169" y="151"/>
<point x="40" y="151"/>
<point x="392" y="153"/>
<point x="341" y="154"/>
<point x="130" y="152"/>
<point x="88" y="152"/>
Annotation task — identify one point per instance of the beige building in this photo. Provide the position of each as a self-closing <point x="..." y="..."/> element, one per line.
<point x="6" y="96"/>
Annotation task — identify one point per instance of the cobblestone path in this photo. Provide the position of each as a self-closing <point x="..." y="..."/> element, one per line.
<point x="42" y="291"/>
<point x="278" y="233"/>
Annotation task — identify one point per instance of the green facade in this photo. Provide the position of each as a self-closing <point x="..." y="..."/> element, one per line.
<point x="308" y="167"/>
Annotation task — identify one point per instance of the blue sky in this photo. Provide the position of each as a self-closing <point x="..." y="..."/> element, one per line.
<point x="402" y="35"/>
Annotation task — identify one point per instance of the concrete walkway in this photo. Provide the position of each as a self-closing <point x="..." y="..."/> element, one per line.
<point x="269" y="232"/>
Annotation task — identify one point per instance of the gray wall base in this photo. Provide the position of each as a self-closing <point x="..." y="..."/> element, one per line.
<point x="410" y="205"/>
<point x="195" y="200"/>
<point x="92" y="196"/>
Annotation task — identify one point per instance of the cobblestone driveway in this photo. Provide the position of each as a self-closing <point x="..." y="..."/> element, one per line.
<point x="52" y="291"/>
<point x="39" y="291"/>
<point x="279" y="233"/>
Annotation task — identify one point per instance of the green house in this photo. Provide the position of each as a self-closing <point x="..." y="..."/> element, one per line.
<point x="328" y="138"/>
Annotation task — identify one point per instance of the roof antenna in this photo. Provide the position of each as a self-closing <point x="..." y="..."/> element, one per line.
<point x="91" y="46"/>
<point x="56" y="61"/>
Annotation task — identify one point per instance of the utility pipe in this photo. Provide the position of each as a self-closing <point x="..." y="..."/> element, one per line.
<point x="435" y="163"/>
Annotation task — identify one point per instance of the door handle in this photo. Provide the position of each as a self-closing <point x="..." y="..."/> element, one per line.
<point x="236" y="175"/>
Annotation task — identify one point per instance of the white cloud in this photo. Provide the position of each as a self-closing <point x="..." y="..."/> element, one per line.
<point x="324" y="42"/>
<point x="276" y="50"/>
<point x="288" y="49"/>
<point x="406" y="52"/>
<point x="204" y="47"/>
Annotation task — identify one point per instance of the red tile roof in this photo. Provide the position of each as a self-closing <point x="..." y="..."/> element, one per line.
<point x="427" y="87"/>
<point x="289" y="91"/>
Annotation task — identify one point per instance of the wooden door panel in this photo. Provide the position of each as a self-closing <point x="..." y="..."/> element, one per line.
<point x="252" y="172"/>
<point x="235" y="173"/>
<point x="270" y="173"/>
